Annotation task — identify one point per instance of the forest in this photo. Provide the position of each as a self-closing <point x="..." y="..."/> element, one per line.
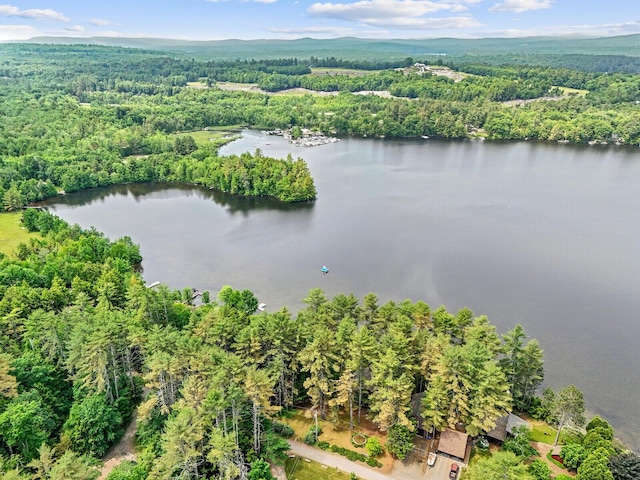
<point x="87" y="346"/>
<point x="77" y="117"/>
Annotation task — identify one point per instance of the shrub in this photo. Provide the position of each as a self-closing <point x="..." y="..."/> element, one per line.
<point x="372" y="462"/>
<point x="324" y="445"/>
<point x="311" y="437"/>
<point x="374" y="447"/>
<point x="539" y="470"/>
<point x="283" y="429"/>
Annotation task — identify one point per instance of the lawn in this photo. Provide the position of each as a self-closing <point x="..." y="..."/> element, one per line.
<point x="299" y="468"/>
<point x="573" y="91"/>
<point x="12" y="232"/>
<point x="339" y="434"/>
<point x="543" y="433"/>
<point x="219" y="135"/>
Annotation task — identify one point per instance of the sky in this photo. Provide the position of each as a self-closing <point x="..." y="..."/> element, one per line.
<point x="288" y="19"/>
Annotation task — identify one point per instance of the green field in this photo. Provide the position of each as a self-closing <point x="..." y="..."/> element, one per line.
<point x="219" y="135"/>
<point x="573" y="91"/>
<point x="298" y="468"/>
<point x="12" y="232"/>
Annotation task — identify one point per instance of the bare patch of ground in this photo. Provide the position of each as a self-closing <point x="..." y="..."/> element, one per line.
<point x="122" y="451"/>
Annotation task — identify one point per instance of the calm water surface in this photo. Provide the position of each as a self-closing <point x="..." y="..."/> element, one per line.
<point x="538" y="234"/>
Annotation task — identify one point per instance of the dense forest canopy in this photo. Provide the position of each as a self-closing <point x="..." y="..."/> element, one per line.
<point x="212" y="378"/>
<point x="75" y="117"/>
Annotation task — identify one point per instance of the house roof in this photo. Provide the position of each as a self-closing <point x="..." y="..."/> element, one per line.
<point x="514" y="422"/>
<point x="499" y="432"/>
<point x="416" y="407"/>
<point x="453" y="443"/>
<point x="506" y="425"/>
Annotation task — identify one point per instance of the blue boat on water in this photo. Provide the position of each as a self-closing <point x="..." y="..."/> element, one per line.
<point x="324" y="269"/>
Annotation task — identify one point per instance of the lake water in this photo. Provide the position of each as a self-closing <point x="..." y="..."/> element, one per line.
<point x="543" y="235"/>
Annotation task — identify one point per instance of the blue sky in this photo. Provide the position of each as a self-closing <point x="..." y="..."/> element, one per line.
<point x="256" y="19"/>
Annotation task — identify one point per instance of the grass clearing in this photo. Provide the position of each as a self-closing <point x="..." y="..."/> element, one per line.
<point x="573" y="91"/>
<point x="12" y="232"/>
<point x="219" y="135"/>
<point x="298" y="468"/>
<point x="349" y="72"/>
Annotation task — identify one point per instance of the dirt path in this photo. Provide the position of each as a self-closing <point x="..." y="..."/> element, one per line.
<point x="121" y="451"/>
<point x="543" y="449"/>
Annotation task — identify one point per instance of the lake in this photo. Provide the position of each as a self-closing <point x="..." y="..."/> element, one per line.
<point x="543" y="235"/>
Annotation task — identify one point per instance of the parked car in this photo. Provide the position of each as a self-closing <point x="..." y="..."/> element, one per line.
<point x="453" y="473"/>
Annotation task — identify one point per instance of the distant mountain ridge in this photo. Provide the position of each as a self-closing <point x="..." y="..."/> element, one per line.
<point x="368" y="49"/>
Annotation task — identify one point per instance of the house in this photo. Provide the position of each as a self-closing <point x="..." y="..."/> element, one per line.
<point x="505" y="425"/>
<point x="454" y="444"/>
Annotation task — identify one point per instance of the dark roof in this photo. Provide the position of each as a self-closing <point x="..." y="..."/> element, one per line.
<point x="499" y="432"/>
<point x="453" y="443"/>
<point x="416" y="407"/>
<point x="506" y="425"/>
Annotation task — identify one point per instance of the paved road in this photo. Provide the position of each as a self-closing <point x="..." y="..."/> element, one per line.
<point x="334" y="460"/>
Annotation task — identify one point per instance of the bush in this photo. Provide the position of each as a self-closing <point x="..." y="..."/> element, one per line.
<point x="282" y="429"/>
<point x="539" y="470"/>
<point x="374" y="447"/>
<point x="311" y="437"/>
<point x="324" y="445"/>
<point x="372" y="462"/>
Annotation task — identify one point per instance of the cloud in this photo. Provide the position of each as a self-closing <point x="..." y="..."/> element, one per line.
<point x="32" y="13"/>
<point x="338" y="31"/>
<point x="244" y="1"/>
<point x="76" y="29"/>
<point x="371" y="9"/>
<point x="99" y="22"/>
<point x="519" y="6"/>
<point x="405" y="14"/>
<point x="602" y="30"/>
<point x="17" y="32"/>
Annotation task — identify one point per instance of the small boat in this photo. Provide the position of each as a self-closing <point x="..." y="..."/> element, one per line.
<point x="324" y="269"/>
<point x="431" y="460"/>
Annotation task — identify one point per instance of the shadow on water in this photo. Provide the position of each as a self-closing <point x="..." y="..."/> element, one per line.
<point x="141" y="191"/>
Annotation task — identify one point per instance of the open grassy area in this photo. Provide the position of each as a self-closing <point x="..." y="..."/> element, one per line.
<point x="541" y="432"/>
<point x="350" y="72"/>
<point x="12" y="232"/>
<point x="219" y="135"/>
<point x="298" y="468"/>
<point x="339" y="434"/>
<point x="573" y="91"/>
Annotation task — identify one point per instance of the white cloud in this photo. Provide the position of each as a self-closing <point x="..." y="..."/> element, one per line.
<point x="32" y="13"/>
<point x="404" y="14"/>
<point x="17" y="32"/>
<point x="368" y="9"/>
<point x="519" y="6"/>
<point x="244" y="1"/>
<point x="603" y="30"/>
<point x="423" y="23"/>
<point x="76" y="29"/>
<point x="337" y="31"/>
<point x="99" y="22"/>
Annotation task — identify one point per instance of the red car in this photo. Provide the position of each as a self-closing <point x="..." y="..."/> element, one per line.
<point x="453" y="473"/>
